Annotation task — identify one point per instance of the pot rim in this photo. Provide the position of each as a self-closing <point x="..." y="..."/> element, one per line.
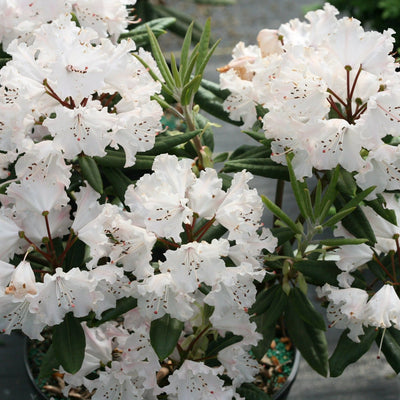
<point x="291" y="378"/>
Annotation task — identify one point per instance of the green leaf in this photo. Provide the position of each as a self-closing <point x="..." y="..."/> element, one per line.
<point x="165" y="143"/>
<point x="358" y="225"/>
<point x="330" y="194"/>
<point x="305" y="309"/>
<point x="272" y="301"/>
<point x="175" y="73"/>
<point x="281" y="215"/>
<point x="310" y="341"/>
<point x="379" y="206"/>
<point x="185" y="52"/>
<point x="189" y="90"/>
<point x="338" y="217"/>
<point x="346" y="183"/>
<point x="258" y="166"/>
<point x="298" y="190"/>
<point x="123" y="306"/>
<point x="118" y="180"/>
<point x="90" y="172"/>
<point x="75" y="256"/>
<point x="214" y="232"/>
<point x="341" y="241"/>
<point x="221" y="343"/>
<point x="268" y="332"/>
<point x="113" y="158"/>
<point x="160" y="59"/>
<point x="256" y="135"/>
<point x="221" y="157"/>
<point x="49" y="364"/>
<point x="203" y="44"/>
<point x="69" y="343"/>
<point x="164" y="335"/>
<point x="251" y="392"/>
<point x="347" y="351"/>
<point x="139" y="34"/>
<point x="206" y="59"/>
<point x="259" y="152"/>
<point x="282" y="234"/>
<point x="319" y="272"/>
<point x="391" y="347"/>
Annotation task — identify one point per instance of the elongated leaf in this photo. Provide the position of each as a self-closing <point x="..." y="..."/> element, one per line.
<point x="49" y="364"/>
<point x="165" y="143"/>
<point x="160" y="59"/>
<point x="214" y="232"/>
<point x="75" y="257"/>
<point x="185" y="52"/>
<point x="282" y="234"/>
<point x="90" y="172"/>
<point x="391" y="347"/>
<point x="310" y="341"/>
<point x="203" y="44"/>
<point x="338" y="217"/>
<point x="378" y="206"/>
<point x="237" y="154"/>
<point x="164" y="335"/>
<point x="258" y="166"/>
<point x="207" y="136"/>
<point x="346" y="183"/>
<point x="305" y="309"/>
<point x="118" y="180"/>
<point x="298" y="191"/>
<point x="256" y="135"/>
<point x="251" y="392"/>
<point x="69" y="343"/>
<point x="254" y="152"/>
<point x="114" y="158"/>
<point x="206" y="59"/>
<point x="347" y="351"/>
<point x="268" y="332"/>
<point x="139" y="34"/>
<point x="319" y="272"/>
<point x="274" y="298"/>
<point x="357" y="224"/>
<point x="308" y="204"/>
<point x="317" y="201"/>
<point x="175" y="72"/>
<point x="123" y="306"/>
<point x="189" y="90"/>
<point x="330" y="193"/>
<point x="341" y="241"/>
<point x="221" y="343"/>
<point x="281" y="215"/>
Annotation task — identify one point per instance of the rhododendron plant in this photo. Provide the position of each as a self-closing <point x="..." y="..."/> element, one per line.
<point x="143" y="254"/>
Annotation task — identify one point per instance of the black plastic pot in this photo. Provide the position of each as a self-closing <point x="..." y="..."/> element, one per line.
<point x="281" y="394"/>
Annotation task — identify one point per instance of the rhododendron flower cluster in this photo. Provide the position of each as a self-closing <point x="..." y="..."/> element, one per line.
<point x="331" y="91"/>
<point x="325" y="94"/>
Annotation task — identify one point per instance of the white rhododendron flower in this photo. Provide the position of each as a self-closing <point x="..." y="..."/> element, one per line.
<point x="328" y="87"/>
